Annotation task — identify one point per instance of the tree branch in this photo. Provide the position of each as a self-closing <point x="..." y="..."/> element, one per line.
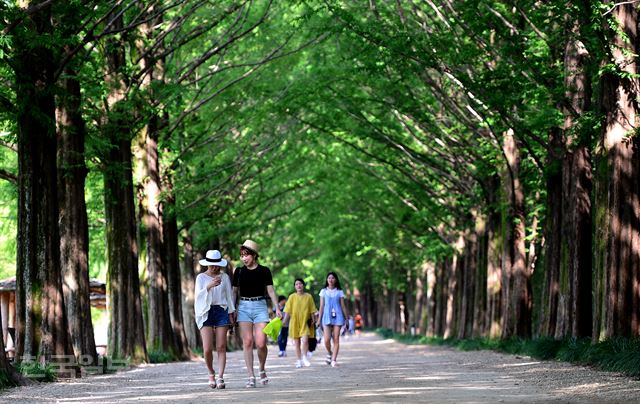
<point x="7" y="105"/>
<point x="6" y="175"/>
<point x="28" y="12"/>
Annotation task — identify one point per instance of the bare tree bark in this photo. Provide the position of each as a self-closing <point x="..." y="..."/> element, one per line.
<point x="575" y="308"/>
<point x="74" y="230"/>
<point x="451" y="308"/>
<point x="468" y="283"/>
<point x="420" y="307"/>
<point x="553" y="236"/>
<point x="442" y="287"/>
<point x="494" y="317"/>
<point x="620" y="259"/>
<point x="431" y="310"/>
<point x="188" y="281"/>
<point x="517" y="320"/>
<point x="42" y="328"/>
<point x="174" y="285"/>
<point x="160" y="333"/>
<point x="479" y="307"/>
<point x="126" y="329"/>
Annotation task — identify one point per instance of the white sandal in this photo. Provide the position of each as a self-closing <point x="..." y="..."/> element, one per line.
<point x="263" y="377"/>
<point x="251" y="382"/>
<point x="212" y="380"/>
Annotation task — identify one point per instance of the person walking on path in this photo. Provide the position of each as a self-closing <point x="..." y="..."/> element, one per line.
<point x="300" y="311"/>
<point x="359" y="324"/>
<point x="214" y="307"/>
<point x="252" y="283"/>
<point x="333" y="313"/>
<point x="283" y="336"/>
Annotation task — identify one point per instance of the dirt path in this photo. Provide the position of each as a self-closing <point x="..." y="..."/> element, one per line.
<point x="371" y="370"/>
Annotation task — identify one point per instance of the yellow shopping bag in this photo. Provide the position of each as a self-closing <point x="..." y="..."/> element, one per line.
<point x="272" y="329"/>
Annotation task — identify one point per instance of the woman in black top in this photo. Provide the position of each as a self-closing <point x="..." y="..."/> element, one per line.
<point x="252" y="283"/>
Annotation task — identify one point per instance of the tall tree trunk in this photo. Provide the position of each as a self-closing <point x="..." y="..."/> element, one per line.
<point x="621" y="257"/>
<point x="431" y="312"/>
<point x="575" y="275"/>
<point x="160" y="331"/>
<point x="601" y="238"/>
<point x="452" y="308"/>
<point x="370" y="308"/>
<point x="390" y="308"/>
<point x="575" y="271"/>
<point x="506" y="268"/>
<point x="126" y="330"/>
<point x="74" y="229"/>
<point x="188" y="281"/>
<point x="553" y="237"/>
<point x="420" y="311"/>
<point x="494" y="317"/>
<point x="42" y="328"/>
<point x="479" y="307"/>
<point x="442" y="296"/>
<point x="518" y="322"/>
<point x="408" y="301"/>
<point x="402" y="320"/>
<point x="469" y="285"/>
<point x="463" y="295"/>
<point x="174" y="285"/>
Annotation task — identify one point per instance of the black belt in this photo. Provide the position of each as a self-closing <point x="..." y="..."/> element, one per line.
<point x="253" y="299"/>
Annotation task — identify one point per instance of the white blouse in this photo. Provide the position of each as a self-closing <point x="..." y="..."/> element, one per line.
<point x="220" y="295"/>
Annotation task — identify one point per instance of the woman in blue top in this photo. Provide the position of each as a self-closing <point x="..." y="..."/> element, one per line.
<point x="333" y="313"/>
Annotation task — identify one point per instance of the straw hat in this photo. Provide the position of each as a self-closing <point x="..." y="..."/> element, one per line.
<point x="251" y="246"/>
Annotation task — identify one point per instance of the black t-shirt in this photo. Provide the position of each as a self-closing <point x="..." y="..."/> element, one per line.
<point x="252" y="282"/>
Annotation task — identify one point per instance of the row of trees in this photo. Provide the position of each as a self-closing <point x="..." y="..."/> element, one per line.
<point x="518" y="122"/>
<point x="94" y="86"/>
<point x="466" y="167"/>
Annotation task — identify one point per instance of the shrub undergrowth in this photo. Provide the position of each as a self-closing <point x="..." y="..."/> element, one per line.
<point x="37" y="371"/>
<point x="161" y="357"/>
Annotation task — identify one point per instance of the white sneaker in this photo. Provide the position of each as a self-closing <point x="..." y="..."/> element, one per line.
<point x="298" y="364"/>
<point x="334" y="364"/>
<point x="306" y="362"/>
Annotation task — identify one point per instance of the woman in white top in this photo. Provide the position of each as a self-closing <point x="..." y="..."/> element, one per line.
<point x="214" y="308"/>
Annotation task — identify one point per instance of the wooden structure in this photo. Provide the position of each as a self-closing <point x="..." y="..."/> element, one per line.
<point x="8" y="307"/>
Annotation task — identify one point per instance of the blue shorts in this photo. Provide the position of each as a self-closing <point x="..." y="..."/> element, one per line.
<point x="253" y="311"/>
<point x="217" y="317"/>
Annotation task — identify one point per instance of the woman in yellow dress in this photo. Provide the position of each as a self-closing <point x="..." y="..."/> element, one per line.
<point x="300" y="310"/>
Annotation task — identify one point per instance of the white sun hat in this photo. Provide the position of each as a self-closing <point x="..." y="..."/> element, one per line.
<point x="213" y="257"/>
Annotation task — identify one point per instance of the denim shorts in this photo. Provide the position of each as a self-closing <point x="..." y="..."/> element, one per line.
<point x="253" y="311"/>
<point x="217" y="317"/>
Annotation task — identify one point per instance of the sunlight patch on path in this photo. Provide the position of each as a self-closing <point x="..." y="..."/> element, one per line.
<point x="370" y="370"/>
